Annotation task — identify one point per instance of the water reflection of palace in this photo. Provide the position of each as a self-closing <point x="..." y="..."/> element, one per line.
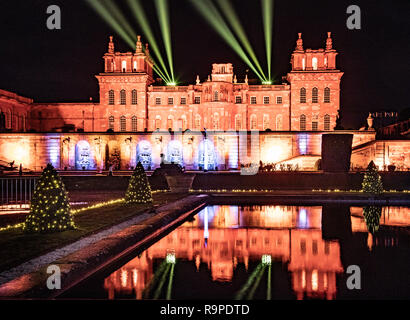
<point x="224" y="236"/>
<point x="221" y="237"/>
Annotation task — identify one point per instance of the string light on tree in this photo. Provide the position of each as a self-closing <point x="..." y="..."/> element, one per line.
<point x="49" y="209"/>
<point x="372" y="182"/>
<point x="139" y="190"/>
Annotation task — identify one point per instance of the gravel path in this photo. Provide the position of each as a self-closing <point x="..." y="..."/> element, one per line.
<point x="46" y="259"/>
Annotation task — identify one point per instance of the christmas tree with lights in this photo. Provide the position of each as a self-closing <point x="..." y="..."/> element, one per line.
<point x="49" y="209"/>
<point x="372" y="182"/>
<point x="372" y="216"/>
<point x="139" y="190"/>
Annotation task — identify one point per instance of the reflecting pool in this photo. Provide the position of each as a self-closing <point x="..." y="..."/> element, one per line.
<point x="268" y="252"/>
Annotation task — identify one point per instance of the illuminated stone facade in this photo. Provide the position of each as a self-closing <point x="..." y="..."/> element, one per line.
<point x="290" y="118"/>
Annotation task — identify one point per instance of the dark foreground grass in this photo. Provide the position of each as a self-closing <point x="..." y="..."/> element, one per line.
<point x="17" y="247"/>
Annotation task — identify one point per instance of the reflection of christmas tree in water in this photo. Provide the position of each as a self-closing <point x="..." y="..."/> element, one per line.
<point x="372" y="216"/>
<point x="49" y="209"/>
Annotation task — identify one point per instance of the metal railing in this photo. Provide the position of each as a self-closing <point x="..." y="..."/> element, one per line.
<point x="17" y="190"/>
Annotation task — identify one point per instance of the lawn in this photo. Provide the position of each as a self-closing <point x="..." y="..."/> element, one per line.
<point x="17" y="247"/>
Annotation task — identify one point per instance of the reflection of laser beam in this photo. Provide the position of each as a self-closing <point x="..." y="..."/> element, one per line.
<point x="269" y="287"/>
<point x="256" y="283"/>
<point x="139" y="14"/>
<point x="163" y="17"/>
<point x="248" y="283"/>
<point x="171" y="277"/>
<point x="233" y="19"/>
<point x="161" y="282"/>
<point x="215" y="19"/>
<point x="267" y="13"/>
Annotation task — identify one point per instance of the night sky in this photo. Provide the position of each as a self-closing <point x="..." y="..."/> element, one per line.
<point x="59" y="65"/>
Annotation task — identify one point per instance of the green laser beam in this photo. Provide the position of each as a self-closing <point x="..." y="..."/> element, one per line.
<point x="229" y="12"/>
<point x="256" y="283"/>
<point x="161" y="282"/>
<point x="269" y="286"/>
<point x="118" y="16"/>
<point x="163" y="17"/>
<point x="214" y="18"/>
<point x="108" y="18"/>
<point x="154" y="279"/>
<point x="267" y="13"/>
<point x="171" y="277"/>
<point x="140" y="16"/>
<point x="248" y="283"/>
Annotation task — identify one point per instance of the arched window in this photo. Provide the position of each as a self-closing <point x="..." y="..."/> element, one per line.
<point x="111" y="97"/>
<point x="315" y="95"/>
<point x="124" y="66"/>
<point x="123" y="123"/>
<point x="302" y="95"/>
<point x="158" y="122"/>
<point x="254" y="122"/>
<point x="238" y="122"/>
<point x="134" y="122"/>
<point x="170" y="123"/>
<point x="279" y="125"/>
<point x="198" y="122"/>
<point x="111" y="122"/>
<point x="327" y="95"/>
<point x="123" y="97"/>
<point x="183" y="122"/>
<point x="302" y="122"/>
<point x="314" y="63"/>
<point x="134" y="97"/>
<point x="315" y="125"/>
<point x="266" y="122"/>
<point x="326" y="125"/>
<point x="135" y="66"/>
<point x="216" y="96"/>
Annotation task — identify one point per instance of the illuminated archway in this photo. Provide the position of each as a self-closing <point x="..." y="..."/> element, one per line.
<point x="83" y="156"/>
<point x="207" y="155"/>
<point x="144" y="154"/>
<point x="174" y="152"/>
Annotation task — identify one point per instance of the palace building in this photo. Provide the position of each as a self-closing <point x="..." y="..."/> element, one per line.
<point x="139" y="120"/>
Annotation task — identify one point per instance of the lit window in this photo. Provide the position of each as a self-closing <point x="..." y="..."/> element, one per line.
<point x="197" y="100"/>
<point x="238" y="122"/>
<point x="111" y="122"/>
<point x="124" y="66"/>
<point x="135" y="66"/>
<point x="111" y="97"/>
<point x="158" y="122"/>
<point x="265" y="100"/>
<point x="314" y="63"/>
<point x="134" y="97"/>
<point x="170" y="101"/>
<point x="157" y="101"/>
<point x="134" y="124"/>
<point x="238" y="99"/>
<point x="302" y="95"/>
<point x="327" y="122"/>
<point x="327" y="95"/>
<point x="302" y="122"/>
<point x="253" y="100"/>
<point x="183" y="100"/>
<point x="265" y="122"/>
<point x="303" y="64"/>
<point x="254" y="123"/>
<point x="170" y="123"/>
<point x="279" y="100"/>
<point x="315" y="95"/>
<point x="123" y="123"/>
<point x="314" y="125"/>
<point x="216" y="96"/>
<point x="123" y="97"/>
